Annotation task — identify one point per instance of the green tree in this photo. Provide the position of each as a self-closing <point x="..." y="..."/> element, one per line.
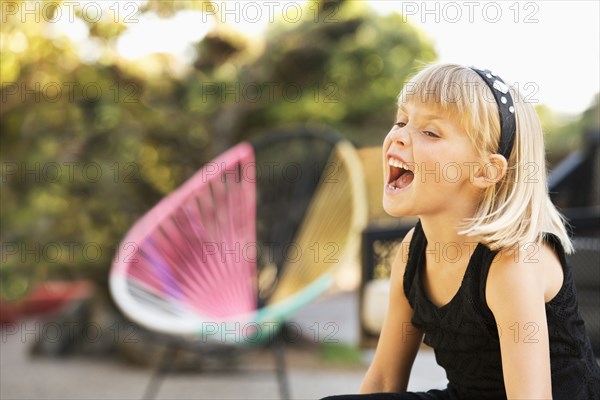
<point x="565" y="133"/>
<point x="88" y="146"/>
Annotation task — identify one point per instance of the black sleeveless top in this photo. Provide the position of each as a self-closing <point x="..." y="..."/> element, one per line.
<point x="464" y="335"/>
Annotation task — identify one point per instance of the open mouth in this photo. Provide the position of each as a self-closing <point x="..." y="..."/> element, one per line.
<point x="400" y="175"/>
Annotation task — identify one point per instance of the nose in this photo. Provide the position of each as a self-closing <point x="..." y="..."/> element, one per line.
<point x="399" y="135"/>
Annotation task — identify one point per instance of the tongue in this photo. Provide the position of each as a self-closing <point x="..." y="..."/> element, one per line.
<point x="405" y="179"/>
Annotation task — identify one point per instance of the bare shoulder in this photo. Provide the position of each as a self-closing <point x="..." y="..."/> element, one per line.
<point x="533" y="270"/>
<point x="516" y="294"/>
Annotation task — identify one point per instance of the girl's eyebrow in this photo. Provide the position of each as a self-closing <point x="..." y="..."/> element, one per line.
<point x="401" y="109"/>
<point x="432" y="117"/>
<point x="425" y="116"/>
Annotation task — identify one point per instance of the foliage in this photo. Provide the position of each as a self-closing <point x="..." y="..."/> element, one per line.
<point x="565" y="133"/>
<point x="90" y="144"/>
<point x="340" y="355"/>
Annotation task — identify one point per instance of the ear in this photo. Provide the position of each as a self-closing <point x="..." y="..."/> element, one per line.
<point x="491" y="170"/>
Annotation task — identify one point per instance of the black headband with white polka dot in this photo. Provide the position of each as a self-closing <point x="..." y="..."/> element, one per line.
<point x="506" y="108"/>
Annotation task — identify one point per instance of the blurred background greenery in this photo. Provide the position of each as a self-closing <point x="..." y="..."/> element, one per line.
<point x="88" y="146"/>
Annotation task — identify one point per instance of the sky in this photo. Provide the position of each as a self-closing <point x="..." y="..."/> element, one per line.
<point x="549" y="49"/>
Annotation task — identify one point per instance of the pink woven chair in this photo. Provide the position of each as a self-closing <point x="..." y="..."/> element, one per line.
<point x="212" y="259"/>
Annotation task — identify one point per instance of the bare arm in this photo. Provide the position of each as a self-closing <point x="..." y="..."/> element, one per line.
<point x="515" y="293"/>
<point x="399" y="340"/>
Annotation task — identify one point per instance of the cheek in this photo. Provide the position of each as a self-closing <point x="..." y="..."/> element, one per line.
<point x="445" y="172"/>
<point x="439" y="169"/>
<point x="452" y="173"/>
<point x="387" y="141"/>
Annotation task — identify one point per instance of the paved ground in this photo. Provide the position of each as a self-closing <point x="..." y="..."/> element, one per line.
<point x="23" y="376"/>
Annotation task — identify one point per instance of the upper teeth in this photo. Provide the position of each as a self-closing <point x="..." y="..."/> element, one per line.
<point x="398" y="164"/>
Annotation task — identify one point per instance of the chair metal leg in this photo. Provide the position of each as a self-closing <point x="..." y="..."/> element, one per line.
<point x="279" y="353"/>
<point x="160" y="371"/>
<point x="163" y="366"/>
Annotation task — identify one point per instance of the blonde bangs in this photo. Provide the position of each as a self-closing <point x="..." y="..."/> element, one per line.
<point x="459" y="95"/>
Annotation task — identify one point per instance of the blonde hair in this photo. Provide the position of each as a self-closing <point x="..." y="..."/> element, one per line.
<point x="517" y="210"/>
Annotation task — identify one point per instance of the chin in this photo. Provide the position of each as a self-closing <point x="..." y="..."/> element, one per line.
<point x="395" y="210"/>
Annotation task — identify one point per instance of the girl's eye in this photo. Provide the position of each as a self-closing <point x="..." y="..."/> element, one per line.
<point x="400" y="124"/>
<point x="431" y="134"/>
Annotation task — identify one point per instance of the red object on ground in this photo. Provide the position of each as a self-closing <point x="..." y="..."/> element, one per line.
<point x="9" y="312"/>
<point x="45" y="297"/>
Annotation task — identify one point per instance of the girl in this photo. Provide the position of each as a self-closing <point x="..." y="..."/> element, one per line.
<point x="482" y="277"/>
